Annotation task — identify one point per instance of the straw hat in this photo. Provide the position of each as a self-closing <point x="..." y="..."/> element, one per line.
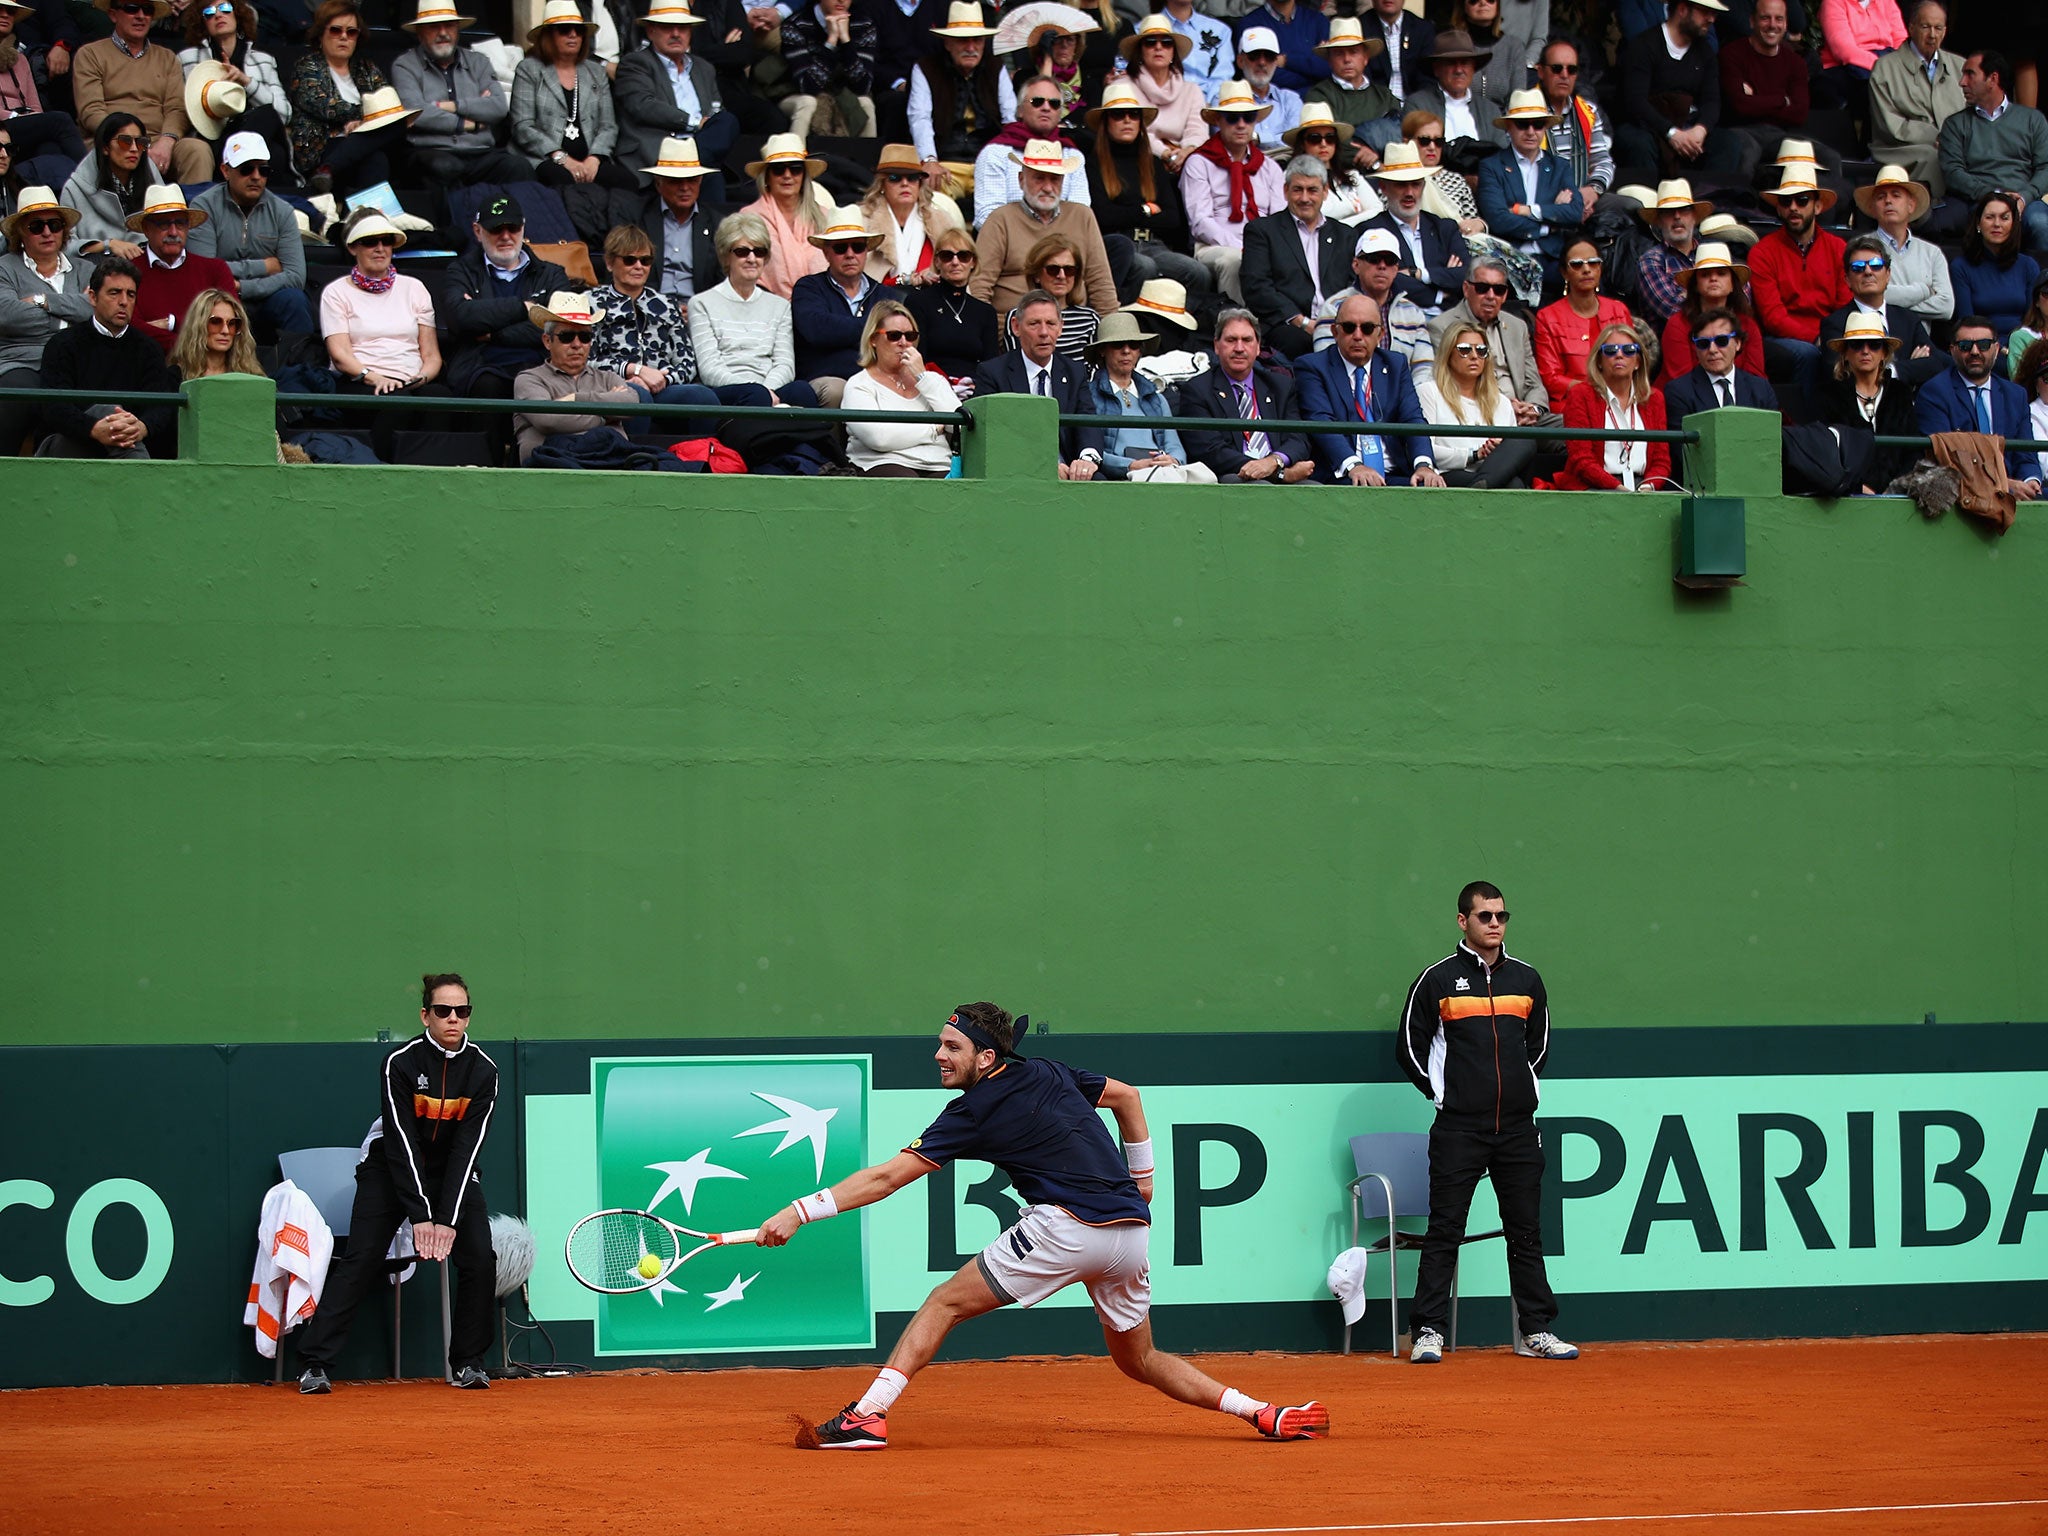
<point x="1708" y="5"/>
<point x="1635" y="192"/>
<point x="168" y="197"/>
<point x="1526" y="107"/>
<point x="37" y="200"/>
<point x="431" y="12"/>
<point x="1044" y="155"/>
<point x="1725" y="226"/>
<point x="1796" y="181"/>
<point x="670" y="13"/>
<point x="1797" y="152"/>
<point x="1164" y="299"/>
<point x="845" y="228"/>
<point x="163" y="7"/>
<point x="1119" y="327"/>
<point x="1155" y="25"/>
<point x="1895" y="176"/>
<point x="1345" y="32"/>
<point x="785" y="149"/>
<point x="1236" y="96"/>
<point x="678" y="161"/>
<point x="371" y="222"/>
<point x="564" y="307"/>
<point x="963" y="19"/>
<point x="1454" y="45"/>
<point x="383" y="108"/>
<point x="1401" y="161"/>
<point x="211" y="98"/>
<point x="1713" y="257"/>
<point x="1672" y="196"/>
<point x="1121" y="96"/>
<point x="1863" y="326"/>
<point x="561" y="13"/>
<point x="900" y="158"/>
<point x="1316" y="114"/>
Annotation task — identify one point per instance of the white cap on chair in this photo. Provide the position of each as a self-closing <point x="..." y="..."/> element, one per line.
<point x="1347" y="1283"/>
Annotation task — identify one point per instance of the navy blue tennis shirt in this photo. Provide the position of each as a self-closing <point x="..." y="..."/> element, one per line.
<point x="1036" y="1120"/>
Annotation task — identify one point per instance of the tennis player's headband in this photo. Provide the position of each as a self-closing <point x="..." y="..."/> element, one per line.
<point x="983" y="1040"/>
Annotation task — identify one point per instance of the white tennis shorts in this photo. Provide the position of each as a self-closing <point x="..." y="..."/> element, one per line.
<point x="1048" y="1250"/>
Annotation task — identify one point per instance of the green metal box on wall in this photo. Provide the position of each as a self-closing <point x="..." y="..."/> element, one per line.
<point x="1711" y="538"/>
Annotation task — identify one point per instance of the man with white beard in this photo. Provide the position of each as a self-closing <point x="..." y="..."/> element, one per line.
<point x="456" y="139"/>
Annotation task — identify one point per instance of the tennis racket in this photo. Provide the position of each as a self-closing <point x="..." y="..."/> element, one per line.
<point x="605" y="1250"/>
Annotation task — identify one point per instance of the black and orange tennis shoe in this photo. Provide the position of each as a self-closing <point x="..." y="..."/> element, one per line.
<point x="1309" y="1421"/>
<point x="851" y="1430"/>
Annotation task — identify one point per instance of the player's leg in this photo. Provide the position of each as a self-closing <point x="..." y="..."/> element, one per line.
<point x="476" y="1288"/>
<point x="373" y="1220"/>
<point x="1457" y="1158"/>
<point x="1518" y="1185"/>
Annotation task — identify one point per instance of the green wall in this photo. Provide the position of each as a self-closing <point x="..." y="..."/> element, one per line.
<point x="679" y="755"/>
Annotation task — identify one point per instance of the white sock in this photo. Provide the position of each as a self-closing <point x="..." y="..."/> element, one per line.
<point x="881" y="1397"/>
<point x="1236" y="1402"/>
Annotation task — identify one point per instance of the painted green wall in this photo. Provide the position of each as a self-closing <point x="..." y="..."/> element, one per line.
<point x="667" y="755"/>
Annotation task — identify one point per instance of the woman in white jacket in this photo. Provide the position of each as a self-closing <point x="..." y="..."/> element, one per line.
<point x="893" y="377"/>
<point x="1464" y="390"/>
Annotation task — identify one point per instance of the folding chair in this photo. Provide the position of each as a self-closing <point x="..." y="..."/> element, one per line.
<point x="1393" y="1171"/>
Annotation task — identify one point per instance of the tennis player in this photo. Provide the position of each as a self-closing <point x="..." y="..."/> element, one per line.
<point x="1087" y="1217"/>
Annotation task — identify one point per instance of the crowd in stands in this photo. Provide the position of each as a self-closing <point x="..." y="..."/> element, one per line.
<point x="1601" y="215"/>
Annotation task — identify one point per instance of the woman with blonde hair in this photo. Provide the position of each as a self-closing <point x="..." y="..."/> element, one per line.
<point x="902" y="208"/>
<point x="1616" y="395"/>
<point x="794" y="208"/>
<point x="742" y="331"/>
<point x="214" y="338"/>
<point x="893" y="377"/>
<point x="1464" y="390"/>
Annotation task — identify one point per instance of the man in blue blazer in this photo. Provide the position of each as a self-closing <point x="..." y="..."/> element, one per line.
<point x="1036" y="369"/>
<point x="1971" y="398"/>
<point x="1240" y="394"/>
<point x="1715" y="380"/>
<point x="1527" y="196"/>
<point x="1433" y="250"/>
<point x="1356" y="381"/>
<point x="1278" y="286"/>
<point x="1404" y="39"/>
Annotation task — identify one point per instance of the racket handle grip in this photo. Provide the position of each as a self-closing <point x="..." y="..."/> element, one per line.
<point x="748" y="1236"/>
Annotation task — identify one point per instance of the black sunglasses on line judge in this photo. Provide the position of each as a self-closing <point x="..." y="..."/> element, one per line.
<point x="449" y="1010"/>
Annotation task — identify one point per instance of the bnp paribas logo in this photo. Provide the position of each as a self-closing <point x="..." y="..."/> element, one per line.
<point x="722" y="1142"/>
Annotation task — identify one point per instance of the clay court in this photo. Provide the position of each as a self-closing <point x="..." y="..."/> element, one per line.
<point x="1918" y="1435"/>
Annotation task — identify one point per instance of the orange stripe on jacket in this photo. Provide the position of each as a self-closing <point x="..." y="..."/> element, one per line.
<point x="1479" y="1007"/>
<point x="425" y="1108"/>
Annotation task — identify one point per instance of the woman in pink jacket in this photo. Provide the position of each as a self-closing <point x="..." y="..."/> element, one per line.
<point x="1853" y="34"/>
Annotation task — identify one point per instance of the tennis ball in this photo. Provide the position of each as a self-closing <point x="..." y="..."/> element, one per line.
<point x="650" y="1266"/>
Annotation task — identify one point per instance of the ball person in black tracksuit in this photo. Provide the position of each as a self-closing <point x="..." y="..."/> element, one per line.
<point x="1474" y="1036"/>
<point x="438" y="1093"/>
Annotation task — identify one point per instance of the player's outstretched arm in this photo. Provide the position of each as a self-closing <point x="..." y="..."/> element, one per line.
<point x="849" y="1194"/>
<point x="1124" y="1102"/>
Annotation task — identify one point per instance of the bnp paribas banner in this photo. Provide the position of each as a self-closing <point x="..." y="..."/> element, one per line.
<point x="1658" y="1184"/>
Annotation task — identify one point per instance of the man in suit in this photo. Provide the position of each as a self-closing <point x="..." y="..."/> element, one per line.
<point x="1356" y="381"/>
<point x="1971" y="398"/>
<point x="1527" y="195"/>
<point x="1405" y="42"/>
<point x="1507" y="334"/>
<point x="1867" y="263"/>
<point x="1238" y="391"/>
<point x="1036" y="369"/>
<point x="662" y="91"/>
<point x="1280" y="285"/>
<point x="1450" y="97"/>
<point x="1433" y="251"/>
<point x="676" y="218"/>
<point x="1714" y="380"/>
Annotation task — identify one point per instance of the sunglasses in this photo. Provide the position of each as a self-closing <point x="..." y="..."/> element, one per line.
<point x="449" y="1010"/>
<point x="1262" y="55"/>
<point x="1237" y="117"/>
<point x="1796" y="199"/>
<point x="1042" y="101"/>
<point x="1562" y="69"/>
<point x="1060" y="269"/>
<point x="168" y="220"/>
<point x="643" y="260"/>
<point x="897" y="178"/>
<point x="253" y="168"/>
<point x="1160" y="42"/>
<point x="1869" y="264"/>
<point x="6" y="146"/>
<point x="1583" y="263"/>
<point x="573" y="338"/>
<point x="1380" y="259"/>
<point x="1357" y="327"/>
<point x="223" y="323"/>
<point x="1319" y="138"/>
<point x="133" y="10"/>
<point x="785" y="170"/>
<point x="1499" y="290"/>
<point x="344" y="31"/>
<point x="1621" y="349"/>
<point x="954" y="256"/>
<point x="128" y="140"/>
<point x="846" y="247"/>
<point x="750" y="250"/>
<point x="43" y="226"/>
<point x="1118" y="114"/>
<point x="1864" y="344"/>
<point x="1976" y="344"/>
<point x="1715" y="343"/>
<point x="904" y="338"/>
<point x="217" y="10"/>
<point x="1490" y="918"/>
<point x="380" y="241"/>
<point x="1428" y="140"/>
<point x="1477" y="349"/>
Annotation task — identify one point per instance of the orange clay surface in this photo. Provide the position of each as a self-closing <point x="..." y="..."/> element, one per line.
<point x="1484" y="1443"/>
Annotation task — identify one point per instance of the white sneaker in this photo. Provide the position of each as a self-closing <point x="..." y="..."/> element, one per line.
<point x="1546" y="1346"/>
<point x="1429" y="1348"/>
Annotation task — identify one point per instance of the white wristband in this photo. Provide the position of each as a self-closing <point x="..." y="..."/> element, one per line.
<point x="1138" y="1157"/>
<point x="816" y="1207"/>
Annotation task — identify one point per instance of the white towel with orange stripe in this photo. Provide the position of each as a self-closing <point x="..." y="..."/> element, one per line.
<point x="293" y="1246"/>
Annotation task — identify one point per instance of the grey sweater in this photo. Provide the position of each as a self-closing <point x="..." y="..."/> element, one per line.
<point x="26" y="328"/>
<point x="101" y="209"/>
<point x="1979" y="156"/>
<point x="477" y="96"/>
<point x="243" y="240"/>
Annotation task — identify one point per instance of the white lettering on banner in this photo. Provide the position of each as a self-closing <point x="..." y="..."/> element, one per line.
<point x="26" y="1293"/>
<point x="159" y="1242"/>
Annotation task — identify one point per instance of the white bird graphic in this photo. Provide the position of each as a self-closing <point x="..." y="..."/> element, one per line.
<point x="685" y="1176"/>
<point x="799" y="1122"/>
<point x="737" y="1291"/>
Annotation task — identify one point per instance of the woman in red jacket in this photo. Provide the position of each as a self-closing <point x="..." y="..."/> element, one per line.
<point x="1565" y="329"/>
<point x="1616" y="395"/>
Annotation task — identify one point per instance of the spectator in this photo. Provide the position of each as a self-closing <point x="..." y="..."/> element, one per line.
<point x="1581" y="133"/>
<point x="256" y="233"/>
<point x="1674" y="218"/>
<point x="459" y="108"/>
<point x="1565" y="329"/>
<point x="484" y="302"/>
<point x="1294" y="258"/>
<point x="793" y="206"/>
<point x="1866" y="265"/>
<point x="1258" y="61"/>
<point x="379" y="327"/>
<point x="1433" y="249"/>
<point x="1913" y="91"/>
<point x="1357" y="380"/>
<point x="1136" y="452"/>
<point x="830" y="55"/>
<point x="1670" y="118"/>
<point x="568" y="325"/>
<point x="960" y="98"/>
<point x="1919" y="273"/>
<point x="1715" y="281"/>
<point x="1239" y="394"/>
<point x="1157" y="54"/>
<point x="221" y="55"/>
<point x="562" y="120"/>
<point x="1511" y="352"/>
<point x="1375" y="270"/>
<point x="1052" y="267"/>
<point x="1463" y="390"/>
<point x="213" y="338"/>
<point x="43" y="145"/>
<point x="1052" y="53"/>
<point x="107" y="352"/>
<point x="1524" y="25"/>
<point x="1040" y="113"/>
<point x="741" y="329"/>
<point x="829" y="309"/>
<point x="1229" y="182"/>
<point x="903" y="32"/>
<point x="171" y="275"/>
<point x="678" y="222"/>
<point x="1862" y="393"/>
<point x="1297" y="28"/>
<point x="109" y="187"/>
<point x="645" y="335"/>
<point x="1993" y="276"/>
<point x="1501" y="77"/>
<point x="906" y="216"/>
<point x="2032" y="327"/>
<point x="336" y="147"/>
<point x="1349" y="95"/>
<point x="1452" y="98"/>
<point x="2032" y="378"/>
<point x="1210" y="59"/>
<point x="41" y="292"/>
<point x="1717" y="376"/>
<point x="1969" y="397"/>
<point x="1615" y="396"/>
<point x="129" y="73"/>
<point x="1527" y="196"/>
<point x="1034" y="368"/>
<point x="662" y="91"/>
<point x="1349" y="198"/>
<point x="1997" y="145"/>
<point x="1405" y="43"/>
<point x="1797" y="279"/>
<point x="1135" y="200"/>
<point x="893" y="377"/>
<point x="1763" y="86"/>
<point x="1852" y="35"/>
<point x="1447" y="195"/>
<point x="958" y="331"/>
<point x="1014" y="231"/>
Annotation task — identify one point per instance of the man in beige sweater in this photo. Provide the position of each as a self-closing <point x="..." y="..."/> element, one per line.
<point x="129" y="73"/>
<point x="1006" y="239"/>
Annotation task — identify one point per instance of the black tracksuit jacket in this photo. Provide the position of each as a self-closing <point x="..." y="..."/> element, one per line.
<point x="1474" y="1042"/>
<point x="437" y="1107"/>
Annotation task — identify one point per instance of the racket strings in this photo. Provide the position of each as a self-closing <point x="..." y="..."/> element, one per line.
<point x="611" y="1247"/>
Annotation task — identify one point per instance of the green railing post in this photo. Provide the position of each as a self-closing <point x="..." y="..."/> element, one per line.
<point x="231" y="419"/>
<point x="1015" y="437"/>
<point x="1740" y="453"/>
